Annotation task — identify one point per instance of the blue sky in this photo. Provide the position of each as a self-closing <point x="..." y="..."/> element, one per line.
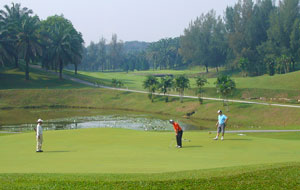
<point x="142" y="20"/>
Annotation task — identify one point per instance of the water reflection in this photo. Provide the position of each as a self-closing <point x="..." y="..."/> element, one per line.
<point x="136" y="122"/>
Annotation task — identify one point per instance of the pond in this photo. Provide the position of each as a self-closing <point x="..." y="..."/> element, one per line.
<point x="136" y="122"/>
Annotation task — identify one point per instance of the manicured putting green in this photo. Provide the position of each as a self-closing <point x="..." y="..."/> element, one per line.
<point x="129" y="151"/>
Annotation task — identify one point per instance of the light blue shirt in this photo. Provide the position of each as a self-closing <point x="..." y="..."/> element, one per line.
<point x="221" y="119"/>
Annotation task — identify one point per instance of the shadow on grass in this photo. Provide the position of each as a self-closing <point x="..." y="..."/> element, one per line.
<point x="56" y="151"/>
<point x="192" y="146"/>
<point x="126" y="93"/>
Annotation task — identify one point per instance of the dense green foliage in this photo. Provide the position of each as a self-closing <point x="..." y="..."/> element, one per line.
<point x="62" y="44"/>
<point x="252" y="37"/>
<point x="165" y="85"/>
<point x="151" y="84"/>
<point x="204" y="41"/>
<point x="163" y="54"/>
<point x="11" y="19"/>
<point x="181" y="84"/>
<point x="53" y="42"/>
<point x="256" y="38"/>
<point x="200" y="82"/>
<point x="117" y="83"/>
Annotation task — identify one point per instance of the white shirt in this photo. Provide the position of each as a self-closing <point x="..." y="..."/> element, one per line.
<point x="39" y="130"/>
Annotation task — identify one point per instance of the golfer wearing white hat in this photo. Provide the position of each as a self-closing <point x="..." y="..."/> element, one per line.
<point x="39" y="135"/>
<point x="221" y="124"/>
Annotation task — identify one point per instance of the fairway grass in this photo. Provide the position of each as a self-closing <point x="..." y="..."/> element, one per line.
<point x="128" y="151"/>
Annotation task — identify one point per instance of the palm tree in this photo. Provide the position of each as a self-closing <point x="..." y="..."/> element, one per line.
<point x="63" y="43"/>
<point x="117" y="83"/>
<point x="151" y="84"/>
<point x="200" y="82"/>
<point x="225" y="86"/>
<point x="13" y="17"/>
<point x="165" y="85"/>
<point x="181" y="83"/>
<point x="28" y="41"/>
<point x="76" y="48"/>
<point x="61" y="47"/>
<point x="6" y="45"/>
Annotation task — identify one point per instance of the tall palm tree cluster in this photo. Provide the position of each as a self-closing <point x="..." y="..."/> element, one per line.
<point x="53" y="42"/>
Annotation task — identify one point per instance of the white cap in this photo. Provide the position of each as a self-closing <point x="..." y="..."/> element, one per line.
<point x="171" y="121"/>
<point x="39" y="120"/>
<point x="219" y="111"/>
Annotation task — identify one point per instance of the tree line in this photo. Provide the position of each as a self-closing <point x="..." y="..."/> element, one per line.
<point x="117" y="55"/>
<point x="254" y="38"/>
<point x="25" y="38"/>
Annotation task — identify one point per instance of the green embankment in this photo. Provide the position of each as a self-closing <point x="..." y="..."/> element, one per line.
<point x="242" y="116"/>
<point x="278" y="86"/>
<point x="15" y="104"/>
<point x="15" y="79"/>
<point x="282" y="178"/>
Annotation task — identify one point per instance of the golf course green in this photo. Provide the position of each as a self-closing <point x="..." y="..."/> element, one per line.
<point x="111" y="158"/>
<point x="128" y="151"/>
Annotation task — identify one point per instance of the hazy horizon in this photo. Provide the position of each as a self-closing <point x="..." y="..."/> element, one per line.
<point x="131" y="20"/>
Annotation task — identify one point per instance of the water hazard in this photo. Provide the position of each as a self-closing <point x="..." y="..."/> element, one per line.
<point x="136" y="122"/>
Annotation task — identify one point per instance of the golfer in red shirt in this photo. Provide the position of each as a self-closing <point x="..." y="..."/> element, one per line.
<point x="179" y="132"/>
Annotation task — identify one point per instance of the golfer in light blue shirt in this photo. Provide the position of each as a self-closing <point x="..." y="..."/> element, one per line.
<point x="221" y="124"/>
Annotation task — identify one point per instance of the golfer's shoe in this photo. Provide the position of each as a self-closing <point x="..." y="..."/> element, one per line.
<point x="179" y="146"/>
<point x="216" y="138"/>
<point x="222" y="138"/>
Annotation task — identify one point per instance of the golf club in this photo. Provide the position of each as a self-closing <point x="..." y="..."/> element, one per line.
<point x="172" y="143"/>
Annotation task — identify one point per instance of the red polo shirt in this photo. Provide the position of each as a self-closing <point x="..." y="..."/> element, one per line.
<point x="176" y="127"/>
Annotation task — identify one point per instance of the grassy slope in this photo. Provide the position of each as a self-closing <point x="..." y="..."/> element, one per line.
<point x="285" y="86"/>
<point x="279" y="178"/>
<point x="284" y="178"/>
<point x="288" y="81"/>
<point x="242" y="115"/>
<point x="15" y="79"/>
<point x="129" y="151"/>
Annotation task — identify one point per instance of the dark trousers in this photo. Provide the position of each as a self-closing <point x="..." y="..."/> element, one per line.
<point x="179" y="138"/>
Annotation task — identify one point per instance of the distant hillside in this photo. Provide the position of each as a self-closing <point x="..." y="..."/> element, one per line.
<point x="135" y="46"/>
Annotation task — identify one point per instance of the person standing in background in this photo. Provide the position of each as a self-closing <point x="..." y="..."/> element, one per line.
<point x="39" y="135"/>
<point x="221" y="124"/>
